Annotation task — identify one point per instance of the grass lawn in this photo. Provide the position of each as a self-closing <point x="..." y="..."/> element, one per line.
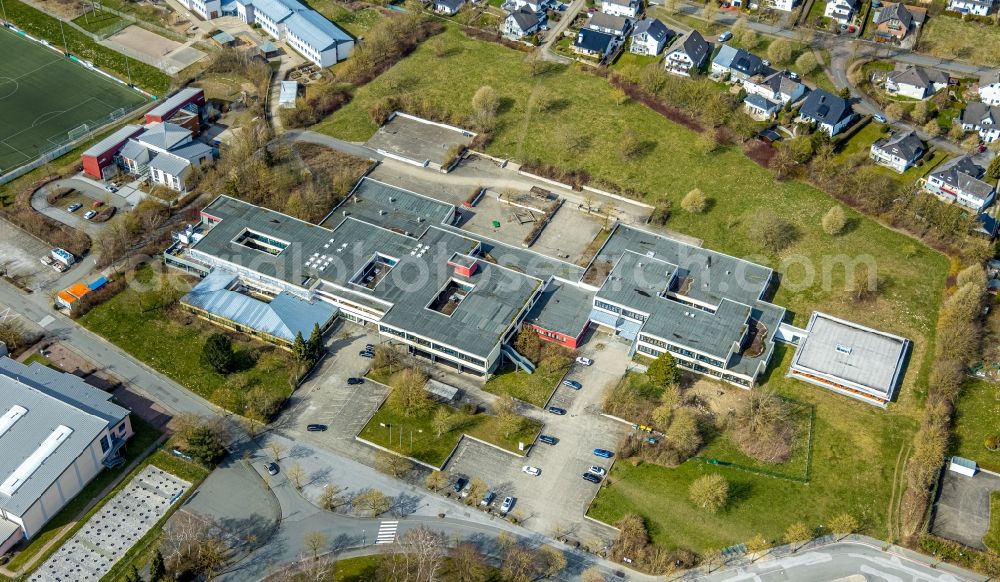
<point x="100" y="21"/>
<point x="992" y="537"/>
<point x="856" y="449"/>
<point x="950" y="38"/>
<point x="976" y="414"/>
<point x="627" y="58"/>
<point x="356" y="23"/>
<point x="532" y="388"/>
<point x="145" y="435"/>
<point x="360" y="569"/>
<point x="861" y="143"/>
<point x="39" y="358"/>
<point x="145" y="321"/>
<point x="414" y="436"/>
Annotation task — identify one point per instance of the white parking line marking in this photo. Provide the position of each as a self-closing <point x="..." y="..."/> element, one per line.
<point x="46" y="320"/>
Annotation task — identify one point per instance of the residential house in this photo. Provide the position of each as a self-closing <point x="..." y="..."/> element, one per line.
<point x="830" y="113"/>
<point x="688" y="53"/>
<point x="610" y="24"/>
<point x="626" y="8"/>
<point x="778" y="87"/>
<point x="533" y="5"/>
<point x="982" y="118"/>
<point x="783" y="5"/>
<point x="760" y="108"/>
<point x="522" y="22"/>
<point x="976" y="7"/>
<point x="303" y="29"/>
<point x="739" y="63"/>
<point x="893" y="22"/>
<point x="448" y="7"/>
<point x="649" y="37"/>
<point x="842" y="11"/>
<point x="167" y="153"/>
<point x="958" y="180"/>
<point x="898" y="151"/>
<point x="595" y="43"/>
<point x="989" y="88"/>
<point x="915" y="82"/>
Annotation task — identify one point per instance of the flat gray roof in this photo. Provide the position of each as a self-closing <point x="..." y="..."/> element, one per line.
<point x="390" y="207"/>
<point x="714" y="276"/>
<point x="49" y="399"/>
<point x="419" y="271"/>
<point x="562" y="308"/>
<point x="418" y="140"/>
<point x="852" y="353"/>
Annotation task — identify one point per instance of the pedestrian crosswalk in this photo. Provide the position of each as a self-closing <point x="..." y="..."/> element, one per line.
<point x="387" y="532"/>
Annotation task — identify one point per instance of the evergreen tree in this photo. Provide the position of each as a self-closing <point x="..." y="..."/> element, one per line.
<point x="157" y="571"/>
<point x="217" y="354"/>
<point x="315" y="343"/>
<point x="663" y="371"/>
<point x="300" y="348"/>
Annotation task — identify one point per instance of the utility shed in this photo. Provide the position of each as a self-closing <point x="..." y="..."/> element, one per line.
<point x="852" y="359"/>
<point x="963" y="466"/>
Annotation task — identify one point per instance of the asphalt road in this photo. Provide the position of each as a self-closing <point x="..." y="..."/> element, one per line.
<point x="841" y="560"/>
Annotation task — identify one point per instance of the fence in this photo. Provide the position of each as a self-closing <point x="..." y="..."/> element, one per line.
<point x="128" y="20"/>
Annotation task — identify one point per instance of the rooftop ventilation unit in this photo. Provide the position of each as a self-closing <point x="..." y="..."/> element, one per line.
<point x="843" y="349"/>
<point x="650" y="254"/>
<point x="26" y="469"/>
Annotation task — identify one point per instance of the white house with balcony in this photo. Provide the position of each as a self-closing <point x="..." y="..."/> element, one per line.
<point x="959" y="180"/>
<point x="688" y="54"/>
<point x="842" y="11"/>
<point x="989" y="88"/>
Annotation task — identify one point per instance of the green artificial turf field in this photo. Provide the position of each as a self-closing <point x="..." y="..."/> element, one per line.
<point x="44" y="96"/>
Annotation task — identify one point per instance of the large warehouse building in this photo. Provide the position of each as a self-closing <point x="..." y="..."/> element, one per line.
<point x="56" y="434"/>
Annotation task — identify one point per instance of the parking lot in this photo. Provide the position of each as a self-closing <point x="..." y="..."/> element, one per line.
<point x="326" y="398"/>
<point x="556" y="501"/>
<point x="20" y="255"/>
<point x="962" y="510"/>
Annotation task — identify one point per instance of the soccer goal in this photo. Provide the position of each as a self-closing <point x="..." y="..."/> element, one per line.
<point x="78" y="132"/>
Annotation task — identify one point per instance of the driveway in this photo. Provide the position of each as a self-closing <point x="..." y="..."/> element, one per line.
<point x="556" y="501"/>
<point x="557" y="31"/>
<point x="962" y="510"/>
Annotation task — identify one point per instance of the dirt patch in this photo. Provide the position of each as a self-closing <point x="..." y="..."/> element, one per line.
<point x="145" y="42"/>
<point x="717" y="398"/>
<point x="64" y="9"/>
<point x="20" y="255"/>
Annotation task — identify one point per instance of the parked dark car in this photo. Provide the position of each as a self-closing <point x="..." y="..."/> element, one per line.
<point x="272" y="468"/>
<point x="460" y="484"/>
<point x="366" y="354"/>
<point x="488" y="498"/>
<point x="557" y="410"/>
<point x="591" y="477"/>
<point x="547" y="439"/>
<point x="572" y="384"/>
<point x="316" y="427"/>
<point x="355" y="381"/>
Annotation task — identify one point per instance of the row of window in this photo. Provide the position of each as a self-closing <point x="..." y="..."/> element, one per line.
<point x="694" y="367"/>
<point x="434" y="346"/>
<point x="681" y="351"/>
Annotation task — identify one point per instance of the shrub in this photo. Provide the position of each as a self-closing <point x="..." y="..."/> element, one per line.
<point x="710" y="492"/>
<point x="772" y="233"/>
<point x="834" y="221"/>
<point x="217" y="354"/>
<point x="694" y="201"/>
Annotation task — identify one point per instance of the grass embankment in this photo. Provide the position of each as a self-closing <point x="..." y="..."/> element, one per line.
<point x="146" y="321"/>
<point x="533" y="388"/>
<point x="145" y="435"/>
<point x="41" y="25"/>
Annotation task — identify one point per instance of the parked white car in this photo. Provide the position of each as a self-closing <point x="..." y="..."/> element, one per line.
<point x="584" y="361"/>
<point x="598" y="470"/>
<point x="533" y="471"/>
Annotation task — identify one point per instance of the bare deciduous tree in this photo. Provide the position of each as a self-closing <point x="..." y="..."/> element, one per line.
<point x="193" y="543"/>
